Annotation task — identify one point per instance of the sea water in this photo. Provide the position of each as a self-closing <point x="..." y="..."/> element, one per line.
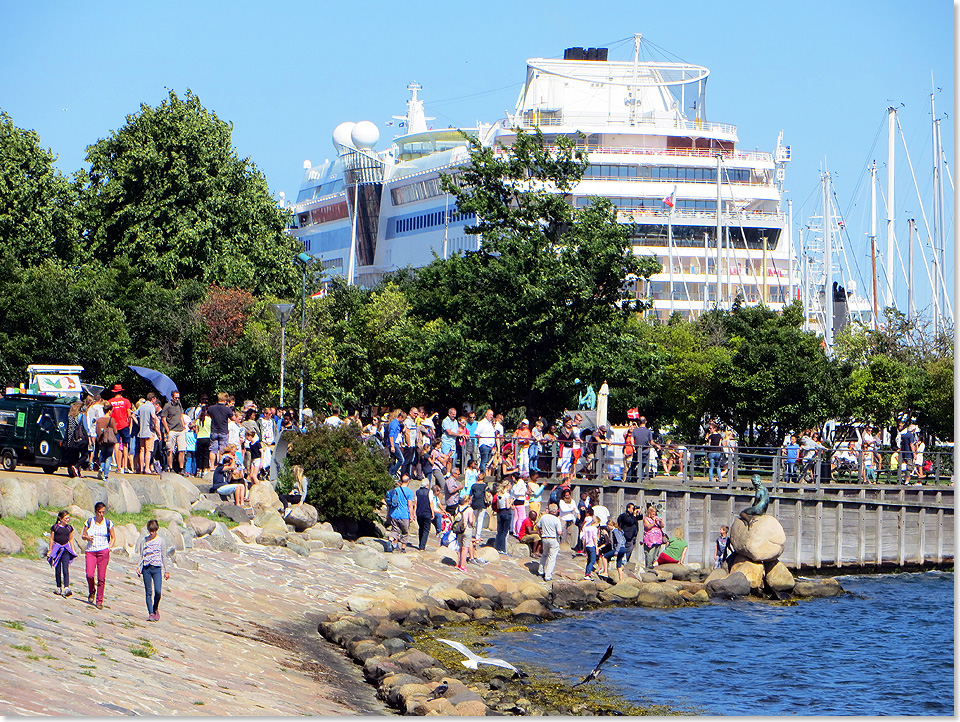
<point x="884" y="649"/>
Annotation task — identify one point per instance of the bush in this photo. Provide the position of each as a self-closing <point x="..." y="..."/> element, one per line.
<point x="348" y="479"/>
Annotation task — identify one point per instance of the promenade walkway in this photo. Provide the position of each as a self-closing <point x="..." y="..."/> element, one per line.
<point x="237" y="636"/>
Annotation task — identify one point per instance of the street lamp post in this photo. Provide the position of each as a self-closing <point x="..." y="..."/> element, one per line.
<point x="282" y="312"/>
<point x="305" y="260"/>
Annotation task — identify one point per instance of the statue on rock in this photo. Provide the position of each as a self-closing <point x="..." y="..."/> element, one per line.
<point x="761" y="500"/>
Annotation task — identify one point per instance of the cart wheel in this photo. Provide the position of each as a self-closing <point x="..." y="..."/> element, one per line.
<point x="49" y="469"/>
<point x="8" y="461"/>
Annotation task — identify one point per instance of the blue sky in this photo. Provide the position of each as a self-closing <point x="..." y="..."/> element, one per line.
<point x="286" y="73"/>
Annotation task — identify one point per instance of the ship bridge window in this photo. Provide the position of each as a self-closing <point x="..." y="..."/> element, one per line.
<point x="651" y="204"/>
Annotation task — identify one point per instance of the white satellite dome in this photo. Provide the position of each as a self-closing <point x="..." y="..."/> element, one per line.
<point x="341" y="134"/>
<point x="365" y="134"/>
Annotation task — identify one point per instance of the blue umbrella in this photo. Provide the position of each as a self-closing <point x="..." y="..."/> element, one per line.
<point x="162" y="383"/>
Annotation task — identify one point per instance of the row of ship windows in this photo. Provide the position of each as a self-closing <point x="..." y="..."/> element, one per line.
<point x="673" y="173"/>
<point x="319" y="191"/>
<point x="695" y="292"/>
<point x="428" y="220"/>
<point x="655" y="204"/>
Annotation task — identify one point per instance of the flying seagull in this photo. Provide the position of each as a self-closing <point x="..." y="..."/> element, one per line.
<point x="472" y="660"/>
<point x="596" y="670"/>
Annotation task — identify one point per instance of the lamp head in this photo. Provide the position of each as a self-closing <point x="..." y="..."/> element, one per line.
<point x="304" y="258"/>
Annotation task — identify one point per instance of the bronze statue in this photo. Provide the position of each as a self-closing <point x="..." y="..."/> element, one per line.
<point x="761" y="500"/>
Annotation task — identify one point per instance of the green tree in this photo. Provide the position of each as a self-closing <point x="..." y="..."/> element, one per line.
<point x="168" y="194"/>
<point x="506" y="319"/>
<point x="347" y="478"/>
<point x="38" y="204"/>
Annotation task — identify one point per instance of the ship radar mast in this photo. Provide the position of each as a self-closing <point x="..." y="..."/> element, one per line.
<point x="415" y="120"/>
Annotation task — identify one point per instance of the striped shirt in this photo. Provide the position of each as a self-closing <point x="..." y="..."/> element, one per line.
<point x="152" y="554"/>
<point x="100" y="533"/>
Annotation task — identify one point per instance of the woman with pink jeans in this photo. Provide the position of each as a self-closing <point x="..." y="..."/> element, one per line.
<point x="99" y="534"/>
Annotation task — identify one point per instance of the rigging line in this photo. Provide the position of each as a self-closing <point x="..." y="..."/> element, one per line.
<point x="870" y="155"/>
<point x="843" y="247"/>
<point x="472" y="95"/>
<point x="940" y="279"/>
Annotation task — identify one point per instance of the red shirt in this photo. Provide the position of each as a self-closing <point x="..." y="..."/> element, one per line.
<point x="526" y="527"/>
<point x="121" y="411"/>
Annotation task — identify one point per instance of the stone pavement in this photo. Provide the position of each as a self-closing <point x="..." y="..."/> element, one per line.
<point x="237" y="635"/>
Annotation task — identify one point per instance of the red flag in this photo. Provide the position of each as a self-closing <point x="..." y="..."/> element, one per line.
<point x="671" y="199"/>
<point x="633" y="413"/>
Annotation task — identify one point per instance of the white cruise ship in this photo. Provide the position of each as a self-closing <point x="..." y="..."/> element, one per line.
<point x="369" y="212"/>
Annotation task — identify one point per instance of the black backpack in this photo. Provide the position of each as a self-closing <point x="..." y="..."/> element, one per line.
<point x="78" y="438"/>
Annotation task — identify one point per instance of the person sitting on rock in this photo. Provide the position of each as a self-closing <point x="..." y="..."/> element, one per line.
<point x="618" y="549"/>
<point x="223" y="481"/>
<point x="675" y="551"/>
<point x="529" y="535"/>
<point x="298" y="493"/>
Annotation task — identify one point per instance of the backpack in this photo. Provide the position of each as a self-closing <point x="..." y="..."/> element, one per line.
<point x="393" y="502"/>
<point x="79" y="438"/>
<point x="488" y="497"/>
<point x="459" y="524"/>
<point x="88" y="522"/>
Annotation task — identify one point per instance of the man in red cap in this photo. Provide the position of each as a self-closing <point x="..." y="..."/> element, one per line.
<point x="122" y="411"/>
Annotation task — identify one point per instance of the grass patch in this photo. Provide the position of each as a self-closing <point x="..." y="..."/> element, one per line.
<point x="199" y="703"/>
<point x="33" y="657"/>
<point x="48" y="656"/>
<point x="88" y="673"/>
<point x="22" y="647"/>
<point x="34" y="526"/>
<point x="12" y="624"/>
<point x="211" y="515"/>
<point x="145" y="649"/>
<point x="91" y="623"/>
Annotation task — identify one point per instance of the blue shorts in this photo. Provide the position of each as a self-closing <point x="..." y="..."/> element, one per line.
<point x="218" y="442"/>
<point x="123" y="435"/>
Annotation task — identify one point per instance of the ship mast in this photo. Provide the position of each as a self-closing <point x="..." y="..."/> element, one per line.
<point x="827" y="266"/>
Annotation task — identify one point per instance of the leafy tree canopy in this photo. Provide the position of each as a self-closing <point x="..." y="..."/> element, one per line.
<point x="168" y="193"/>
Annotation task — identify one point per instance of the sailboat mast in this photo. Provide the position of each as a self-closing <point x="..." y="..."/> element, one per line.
<point x="911" y="309"/>
<point x="873" y="238"/>
<point x="827" y="266"/>
<point x="888" y="261"/>
<point x="937" y="213"/>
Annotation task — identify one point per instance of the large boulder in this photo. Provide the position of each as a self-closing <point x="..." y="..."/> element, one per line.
<point x="178" y="493"/>
<point x="302" y="516"/>
<point x="125" y="537"/>
<point x="329" y="539"/>
<point x="489" y="555"/>
<point x="370" y="559"/>
<point x="752" y="570"/>
<point x="16" y="501"/>
<point x="121" y="497"/>
<point x="263" y="497"/>
<point x="718" y="573"/>
<point x="625" y="591"/>
<point x="173" y="535"/>
<point x="9" y="542"/>
<point x="147" y="489"/>
<point x="168" y="516"/>
<point x="680" y="572"/>
<point x="778" y="577"/>
<point x="201" y="525"/>
<point x="221" y="539"/>
<point x="247" y="533"/>
<point x="270" y="520"/>
<point x="51" y="492"/>
<point x="567" y="595"/>
<point x="651" y="594"/>
<point x="733" y="585"/>
<point x="824" y="588"/>
<point x="86" y="494"/>
<point x="80" y="515"/>
<point x="234" y="513"/>
<point x="762" y="541"/>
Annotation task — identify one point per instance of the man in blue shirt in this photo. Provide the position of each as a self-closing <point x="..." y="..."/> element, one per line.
<point x="400" y="506"/>
<point x="395" y="442"/>
<point x="790" y="453"/>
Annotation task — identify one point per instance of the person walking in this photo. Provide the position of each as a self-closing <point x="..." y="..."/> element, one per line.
<point x="100" y="535"/>
<point x="504" y="506"/>
<point x="106" y="435"/>
<point x="424" y="509"/>
<point x="61" y="552"/>
<point x="151" y="566"/>
<point x="551" y="529"/>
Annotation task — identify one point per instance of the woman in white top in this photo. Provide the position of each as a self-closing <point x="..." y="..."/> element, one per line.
<point x="99" y="534"/>
<point x="568" y="518"/>
<point x="151" y="565"/>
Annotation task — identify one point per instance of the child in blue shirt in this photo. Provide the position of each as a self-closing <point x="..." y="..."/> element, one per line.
<point x="190" y="459"/>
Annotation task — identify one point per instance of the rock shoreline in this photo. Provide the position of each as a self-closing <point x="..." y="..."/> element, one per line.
<point x="389" y="633"/>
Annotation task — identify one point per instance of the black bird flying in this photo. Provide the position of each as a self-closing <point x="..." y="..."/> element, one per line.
<point x="596" y="670"/>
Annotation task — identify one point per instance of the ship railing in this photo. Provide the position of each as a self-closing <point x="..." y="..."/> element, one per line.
<point x="689" y="465"/>
<point x="532" y="119"/>
<point x="625" y="215"/>
<point x="684" y="153"/>
<point x="755" y="183"/>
